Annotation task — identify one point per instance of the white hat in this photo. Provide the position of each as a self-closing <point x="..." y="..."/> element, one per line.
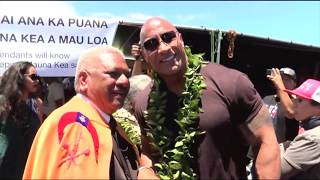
<point x="289" y="72"/>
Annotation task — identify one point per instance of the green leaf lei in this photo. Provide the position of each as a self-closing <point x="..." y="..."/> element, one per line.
<point x="175" y="162"/>
<point x="130" y="125"/>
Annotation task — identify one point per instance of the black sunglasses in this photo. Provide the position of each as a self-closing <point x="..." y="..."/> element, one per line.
<point x="153" y="43"/>
<point x="34" y="77"/>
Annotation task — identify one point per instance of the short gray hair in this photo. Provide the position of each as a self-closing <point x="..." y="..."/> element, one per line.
<point x="88" y="58"/>
<point x="137" y="84"/>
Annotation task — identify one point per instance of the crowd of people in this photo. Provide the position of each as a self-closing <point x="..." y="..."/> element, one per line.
<point x="193" y="123"/>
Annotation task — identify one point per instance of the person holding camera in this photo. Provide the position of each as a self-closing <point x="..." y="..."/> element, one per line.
<point x="300" y="157"/>
<point x="280" y="105"/>
<point x="140" y="66"/>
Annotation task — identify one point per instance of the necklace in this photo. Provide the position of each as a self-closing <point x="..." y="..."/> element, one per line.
<point x="130" y="125"/>
<point x="175" y="161"/>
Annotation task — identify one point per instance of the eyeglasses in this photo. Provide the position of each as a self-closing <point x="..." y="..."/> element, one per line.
<point x="33" y="77"/>
<point x="296" y="99"/>
<point x="299" y="100"/>
<point x="153" y="43"/>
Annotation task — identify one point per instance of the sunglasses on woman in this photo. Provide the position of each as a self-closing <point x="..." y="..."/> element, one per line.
<point x="153" y="43"/>
<point x="34" y="77"/>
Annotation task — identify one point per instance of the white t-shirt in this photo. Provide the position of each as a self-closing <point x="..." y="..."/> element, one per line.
<point x="55" y="92"/>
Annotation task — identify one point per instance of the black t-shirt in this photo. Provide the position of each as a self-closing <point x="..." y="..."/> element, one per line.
<point x="228" y="101"/>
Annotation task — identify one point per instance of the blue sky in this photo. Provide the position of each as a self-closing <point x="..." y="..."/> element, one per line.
<point x="295" y="21"/>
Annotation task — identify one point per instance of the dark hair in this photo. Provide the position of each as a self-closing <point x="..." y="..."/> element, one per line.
<point x="314" y="103"/>
<point x="11" y="87"/>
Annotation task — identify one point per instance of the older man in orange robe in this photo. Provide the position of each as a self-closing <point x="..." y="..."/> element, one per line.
<point x="80" y="140"/>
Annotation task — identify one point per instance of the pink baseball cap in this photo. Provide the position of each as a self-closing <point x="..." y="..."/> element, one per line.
<point x="310" y="89"/>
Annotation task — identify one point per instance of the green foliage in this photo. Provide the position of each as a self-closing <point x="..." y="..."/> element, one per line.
<point x="175" y="161"/>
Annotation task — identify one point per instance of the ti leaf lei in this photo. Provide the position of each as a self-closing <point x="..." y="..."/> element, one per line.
<point x="175" y="161"/>
<point x="130" y="125"/>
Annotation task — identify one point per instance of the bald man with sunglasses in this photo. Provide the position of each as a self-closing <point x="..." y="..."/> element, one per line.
<point x="233" y="116"/>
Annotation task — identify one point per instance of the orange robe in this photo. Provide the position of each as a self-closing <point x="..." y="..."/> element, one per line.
<point x="64" y="148"/>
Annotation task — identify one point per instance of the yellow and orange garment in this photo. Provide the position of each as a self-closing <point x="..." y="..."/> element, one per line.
<point x="74" y="142"/>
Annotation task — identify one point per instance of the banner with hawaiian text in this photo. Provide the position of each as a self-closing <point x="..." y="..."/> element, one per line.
<point x="52" y="44"/>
